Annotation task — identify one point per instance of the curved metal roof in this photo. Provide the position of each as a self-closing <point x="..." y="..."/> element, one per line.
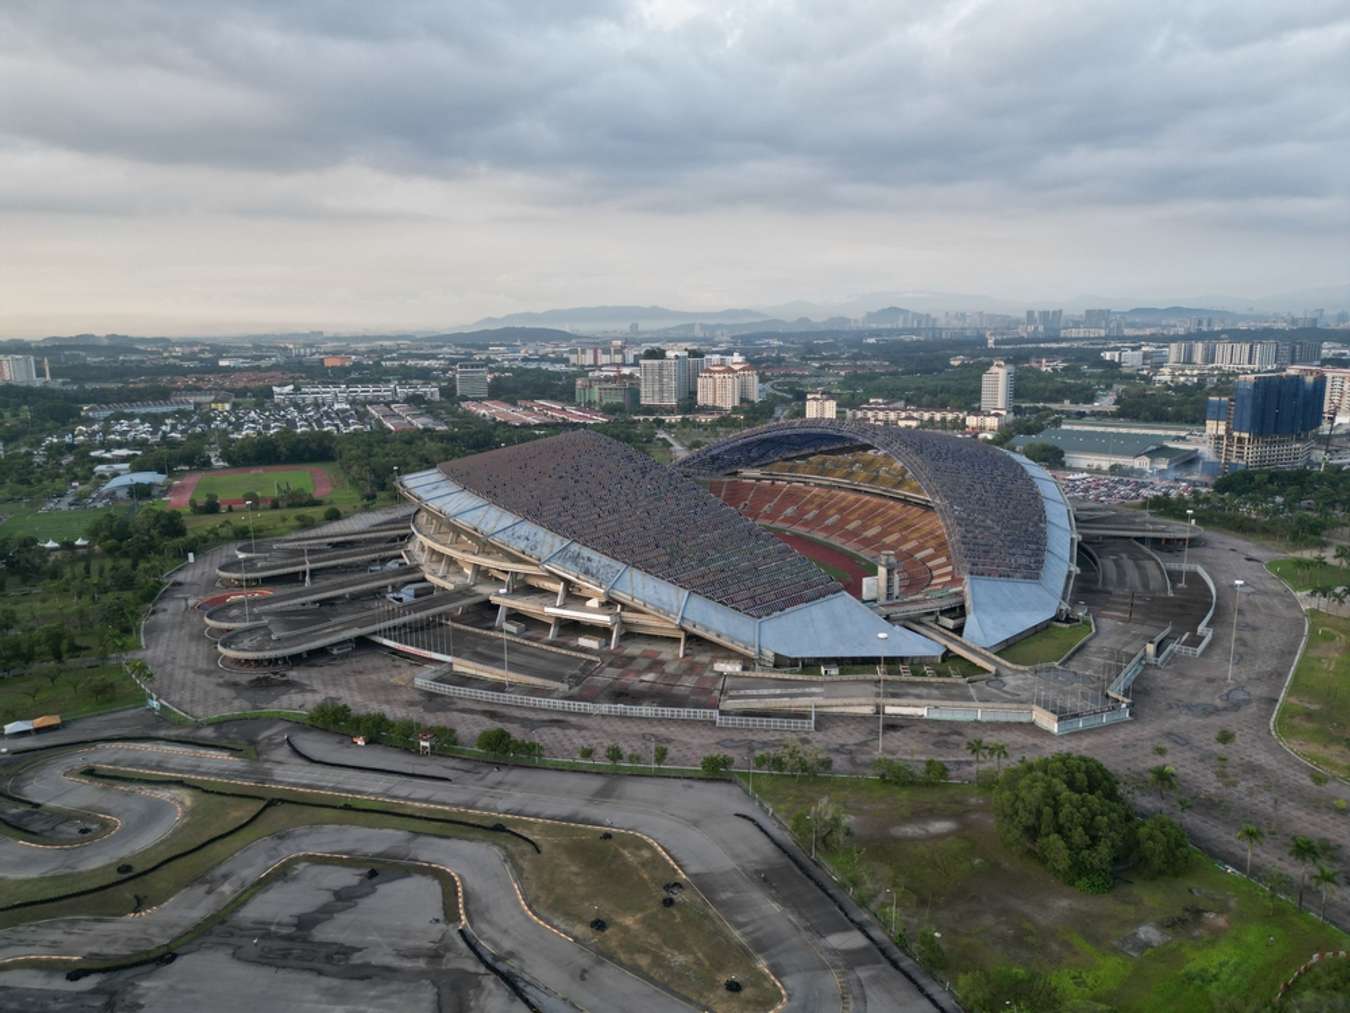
<point x="989" y="504"/>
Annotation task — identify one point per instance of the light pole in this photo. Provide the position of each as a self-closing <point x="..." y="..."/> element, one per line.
<point x="1186" y="550"/>
<point x="891" y="891"/>
<point x="506" y="662"/>
<point x="812" y="818"/>
<point x="1237" y="604"/>
<point x="881" y="701"/>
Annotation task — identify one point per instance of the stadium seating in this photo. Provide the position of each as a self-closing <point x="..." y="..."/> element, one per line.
<point x="860" y="523"/>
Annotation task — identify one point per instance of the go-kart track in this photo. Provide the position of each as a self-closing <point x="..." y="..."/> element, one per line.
<point x="274" y="953"/>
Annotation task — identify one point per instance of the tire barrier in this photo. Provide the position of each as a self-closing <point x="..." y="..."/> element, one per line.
<point x="367" y="768"/>
<point x="811" y="873"/>
<point x="494" y="828"/>
<point x="162" y="960"/>
<point x="504" y="976"/>
<point x="127" y="878"/>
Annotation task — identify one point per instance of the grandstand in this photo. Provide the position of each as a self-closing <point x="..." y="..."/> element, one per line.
<point x="863" y="524"/>
<point x="999" y="527"/>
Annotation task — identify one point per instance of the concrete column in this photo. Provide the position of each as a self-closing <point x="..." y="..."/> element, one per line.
<point x="553" y="630"/>
<point x="615" y="632"/>
<point x="502" y="612"/>
<point x="681" y="652"/>
<point x="562" y="593"/>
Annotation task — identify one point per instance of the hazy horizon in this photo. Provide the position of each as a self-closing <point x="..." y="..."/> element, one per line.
<point x="198" y="170"/>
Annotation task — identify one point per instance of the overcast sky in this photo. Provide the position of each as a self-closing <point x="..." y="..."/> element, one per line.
<point x="186" y="166"/>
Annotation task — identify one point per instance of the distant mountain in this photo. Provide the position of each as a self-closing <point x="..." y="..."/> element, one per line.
<point x="612" y="318"/>
<point x="496" y="335"/>
<point x="1155" y="314"/>
<point x="104" y="341"/>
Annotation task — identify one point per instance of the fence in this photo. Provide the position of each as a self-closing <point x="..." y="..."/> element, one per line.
<point x="1204" y="630"/>
<point x="618" y="710"/>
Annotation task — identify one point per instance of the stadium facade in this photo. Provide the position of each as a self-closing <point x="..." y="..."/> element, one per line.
<point x="579" y="528"/>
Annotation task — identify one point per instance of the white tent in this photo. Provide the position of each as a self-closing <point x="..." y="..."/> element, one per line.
<point x="49" y="544"/>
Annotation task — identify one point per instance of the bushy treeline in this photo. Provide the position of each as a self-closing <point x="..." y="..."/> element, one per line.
<point x="377" y="727"/>
<point x="1069" y="812"/>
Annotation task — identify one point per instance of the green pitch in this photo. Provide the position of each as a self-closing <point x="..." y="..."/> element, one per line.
<point x="234" y="485"/>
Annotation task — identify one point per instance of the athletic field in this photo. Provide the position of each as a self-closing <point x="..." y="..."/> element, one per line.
<point x="230" y="486"/>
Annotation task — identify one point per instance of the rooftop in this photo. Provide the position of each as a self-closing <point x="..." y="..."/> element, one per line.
<point x="1078" y="441"/>
<point x="618" y="501"/>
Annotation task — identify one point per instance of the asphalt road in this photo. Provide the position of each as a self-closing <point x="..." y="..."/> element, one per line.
<point x="822" y="960"/>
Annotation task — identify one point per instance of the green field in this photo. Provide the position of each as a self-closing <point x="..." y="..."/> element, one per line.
<point x="1306" y="574"/>
<point x="1315" y="716"/>
<point x="235" y="485"/>
<point x="67" y="690"/>
<point x="22" y="519"/>
<point x="1200" y="942"/>
<point x="575" y="875"/>
<point x="1049" y="644"/>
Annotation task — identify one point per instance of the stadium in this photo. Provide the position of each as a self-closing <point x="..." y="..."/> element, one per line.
<point x="749" y="543"/>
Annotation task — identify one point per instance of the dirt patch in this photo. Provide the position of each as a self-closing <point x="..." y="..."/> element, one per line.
<point x="1143" y="939"/>
<point x="925" y="828"/>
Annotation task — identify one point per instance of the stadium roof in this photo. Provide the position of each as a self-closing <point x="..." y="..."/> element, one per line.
<point x="1106" y="444"/>
<point x="597" y="512"/>
<point x="1008" y="524"/>
<point x="989" y="505"/>
<point x="621" y="502"/>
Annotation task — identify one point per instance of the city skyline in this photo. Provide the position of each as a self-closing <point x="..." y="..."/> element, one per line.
<point x="208" y="172"/>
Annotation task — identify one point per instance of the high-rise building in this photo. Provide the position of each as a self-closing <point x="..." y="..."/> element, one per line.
<point x="1269" y="422"/>
<point x="1336" y="403"/>
<point x="996" y="387"/>
<point x="723" y="386"/>
<point x="664" y="381"/>
<point x="18" y="369"/>
<point x="820" y="405"/>
<point x="471" y="382"/>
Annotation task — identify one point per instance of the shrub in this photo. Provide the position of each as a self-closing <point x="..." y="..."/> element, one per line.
<point x="613" y="753"/>
<point x="1225" y="736"/>
<point x="715" y="764"/>
<point x="934" y="771"/>
<point x="1008" y="989"/>
<point x="497" y="741"/>
<point x="1161" y="847"/>
<point x="585" y="752"/>
<point x="332" y="514"/>
<point x="895" y="772"/>
<point x="1068" y="811"/>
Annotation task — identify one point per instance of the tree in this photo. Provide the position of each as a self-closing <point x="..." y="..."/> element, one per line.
<point x="495" y="740"/>
<point x="1164" y="778"/>
<point x="1306" y="852"/>
<point x="54" y="640"/>
<point x="934" y="771"/>
<point x="1325" y="879"/>
<point x="1044" y="453"/>
<point x="976" y="748"/>
<point x="1068" y="811"/>
<point x="659" y="755"/>
<point x="1162" y="848"/>
<point x="332" y="514"/>
<point x="1250" y="835"/>
<point x="715" y="764"/>
<point x="895" y="772"/>
<point x="613" y="752"/>
<point x="999" y="752"/>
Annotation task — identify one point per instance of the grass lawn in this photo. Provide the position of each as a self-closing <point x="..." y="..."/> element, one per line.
<point x="67" y="690"/>
<point x="235" y="485"/>
<point x="575" y="877"/>
<point x="1224" y="945"/>
<point x="1315" y="717"/>
<point x="1049" y="644"/>
<point x="22" y="519"/>
<point x="1305" y="574"/>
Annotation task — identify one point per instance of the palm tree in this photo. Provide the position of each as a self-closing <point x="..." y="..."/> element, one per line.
<point x="977" y="749"/>
<point x="1306" y="852"/>
<point x="1164" y="778"/>
<point x="1250" y="835"/>
<point x="999" y="752"/>
<point x="1324" y="879"/>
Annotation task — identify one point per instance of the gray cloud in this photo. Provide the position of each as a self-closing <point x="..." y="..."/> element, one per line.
<point x="1223" y="115"/>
